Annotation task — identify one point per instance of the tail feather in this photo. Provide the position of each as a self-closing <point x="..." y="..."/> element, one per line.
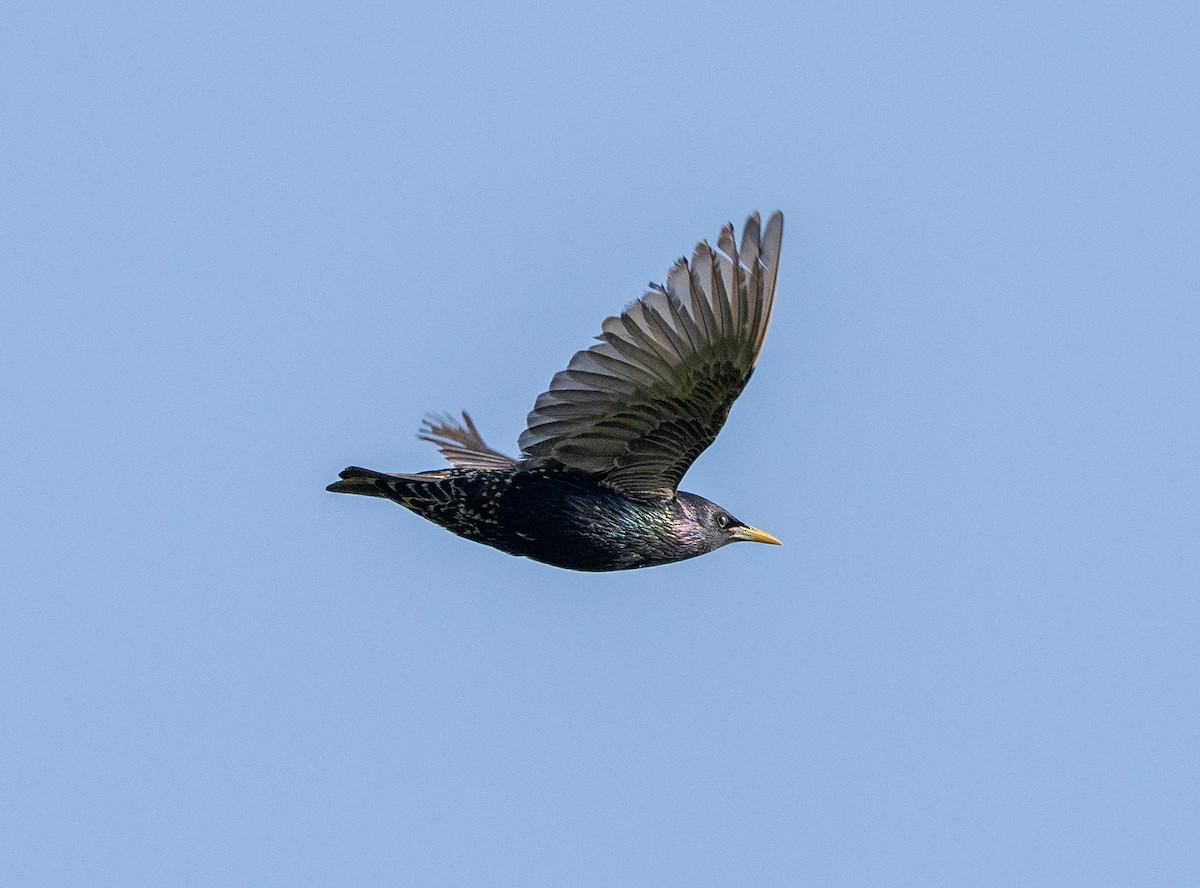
<point x="363" y="482"/>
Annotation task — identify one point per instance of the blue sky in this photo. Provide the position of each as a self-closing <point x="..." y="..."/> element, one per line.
<point x="244" y="245"/>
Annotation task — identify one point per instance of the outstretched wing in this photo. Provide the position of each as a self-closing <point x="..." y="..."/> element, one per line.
<point x="641" y="405"/>
<point x="461" y="444"/>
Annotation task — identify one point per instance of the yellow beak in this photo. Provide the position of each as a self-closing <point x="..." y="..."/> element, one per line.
<point x="753" y="535"/>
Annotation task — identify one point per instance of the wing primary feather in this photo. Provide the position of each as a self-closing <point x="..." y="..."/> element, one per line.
<point x="683" y="321"/>
<point x="637" y="315"/>
<point x="701" y="307"/>
<point x="772" y="242"/>
<point x="647" y="359"/>
<point x="654" y="315"/>
<point x="636" y="331"/>
<point x="679" y="280"/>
<point x="751" y="242"/>
<point x="721" y="295"/>
<point x="733" y="283"/>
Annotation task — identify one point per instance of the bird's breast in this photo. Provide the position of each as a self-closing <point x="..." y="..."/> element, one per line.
<point x="571" y="521"/>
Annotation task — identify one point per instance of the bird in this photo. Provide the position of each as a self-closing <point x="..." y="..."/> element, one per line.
<point x="595" y="487"/>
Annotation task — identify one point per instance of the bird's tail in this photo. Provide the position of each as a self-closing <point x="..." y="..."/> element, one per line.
<point x="363" y="482"/>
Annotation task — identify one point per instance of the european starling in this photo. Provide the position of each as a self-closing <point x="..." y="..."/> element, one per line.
<point x="595" y="487"/>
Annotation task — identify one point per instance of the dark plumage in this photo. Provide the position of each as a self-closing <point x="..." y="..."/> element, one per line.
<point x="607" y="444"/>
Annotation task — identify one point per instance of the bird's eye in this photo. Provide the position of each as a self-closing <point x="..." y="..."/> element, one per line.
<point x="723" y="521"/>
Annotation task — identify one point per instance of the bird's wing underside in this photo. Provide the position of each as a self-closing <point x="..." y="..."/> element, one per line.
<point x="461" y="443"/>
<point x="643" y="403"/>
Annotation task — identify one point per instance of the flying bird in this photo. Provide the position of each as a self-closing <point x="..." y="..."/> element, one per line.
<point x="605" y="447"/>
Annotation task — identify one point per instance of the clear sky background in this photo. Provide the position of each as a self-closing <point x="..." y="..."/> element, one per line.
<point x="244" y="245"/>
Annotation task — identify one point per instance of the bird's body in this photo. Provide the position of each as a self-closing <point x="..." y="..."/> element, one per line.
<point x="605" y="448"/>
<point x="549" y="514"/>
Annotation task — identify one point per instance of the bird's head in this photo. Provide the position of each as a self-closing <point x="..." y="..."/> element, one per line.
<point x="712" y="527"/>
